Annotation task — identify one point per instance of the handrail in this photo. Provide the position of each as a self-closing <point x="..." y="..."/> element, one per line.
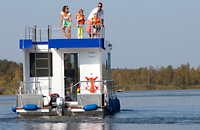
<point x="92" y="81"/>
<point x="55" y="32"/>
<point x="107" y="87"/>
<point x="22" y="88"/>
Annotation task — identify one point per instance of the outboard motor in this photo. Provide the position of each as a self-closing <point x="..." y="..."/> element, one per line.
<point x="53" y="99"/>
<point x="60" y="105"/>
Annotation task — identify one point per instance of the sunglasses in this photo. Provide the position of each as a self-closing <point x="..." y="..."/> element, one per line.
<point x="66" y="8"/>
<point x="99" y="6"/>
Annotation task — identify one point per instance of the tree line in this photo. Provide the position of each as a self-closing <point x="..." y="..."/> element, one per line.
<point x="160" y="78"/>
<point x="145" y="78"/>
<point x="10" y="73"/>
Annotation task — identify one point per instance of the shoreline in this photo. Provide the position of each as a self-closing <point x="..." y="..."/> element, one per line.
<point x="12" y="91"/>
<point x="154" y="87"/>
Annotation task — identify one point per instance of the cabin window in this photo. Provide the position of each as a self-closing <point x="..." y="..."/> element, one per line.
<point x="41" y="61"/>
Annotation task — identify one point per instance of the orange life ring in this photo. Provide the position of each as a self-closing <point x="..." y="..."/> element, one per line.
<point x="92" y="87"/>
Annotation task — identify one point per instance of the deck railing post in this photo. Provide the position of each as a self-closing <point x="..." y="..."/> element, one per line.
<point x="49" y="63"/>
<point x="29" y="32"/>
<point x="25" y="32"/>
<point x="48" y="33"/>
<point x="35" y="57"/>
<point x="35" y="34"/>
<point x="40" y="35"/>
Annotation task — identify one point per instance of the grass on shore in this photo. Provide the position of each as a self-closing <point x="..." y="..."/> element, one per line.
<point x="8" y="90"/>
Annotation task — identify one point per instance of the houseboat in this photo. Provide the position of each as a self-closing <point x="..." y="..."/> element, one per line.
<point x="65" y="76"/>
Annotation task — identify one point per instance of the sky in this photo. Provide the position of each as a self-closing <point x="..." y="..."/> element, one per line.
<point x="143" y="32"/>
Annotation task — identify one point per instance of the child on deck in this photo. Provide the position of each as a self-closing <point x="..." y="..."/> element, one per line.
<point x="81" y="21"/>
<point x="96" y="25"/>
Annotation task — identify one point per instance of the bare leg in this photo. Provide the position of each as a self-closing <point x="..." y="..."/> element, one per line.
<point x="63" y="30"/>
<point x="88" y="28"/>
<point x="90" y="35"/>
<point x="98" y="31"/>
<point x="69" y="32"/>
<point x="94" y="32"/>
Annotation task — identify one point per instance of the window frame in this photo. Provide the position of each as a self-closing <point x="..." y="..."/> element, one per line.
<point x="32" y="64"/>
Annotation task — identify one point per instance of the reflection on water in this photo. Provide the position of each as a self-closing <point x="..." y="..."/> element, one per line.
<point x="69" y="126"/>
<point x="152" y="110"/>
<point x="71" y="123"/>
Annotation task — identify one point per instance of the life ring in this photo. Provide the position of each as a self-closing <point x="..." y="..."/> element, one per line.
<point x="92" y="88"/>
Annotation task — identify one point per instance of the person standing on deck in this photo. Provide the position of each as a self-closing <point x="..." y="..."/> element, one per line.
<point x="80" y="22"/>
<point x="96" y="25"/>
<point x="100" y="14"/>
<point x="66" y="21"/>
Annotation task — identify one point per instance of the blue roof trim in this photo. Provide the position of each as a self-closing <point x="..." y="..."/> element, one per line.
<point x="25" y="44"/>
<point x="64" y="43"/>
<point x="76" y="43"/>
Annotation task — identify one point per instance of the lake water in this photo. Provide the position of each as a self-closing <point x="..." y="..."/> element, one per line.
<point x="141" y="110"/>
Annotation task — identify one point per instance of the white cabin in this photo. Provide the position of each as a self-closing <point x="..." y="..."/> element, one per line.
<point x="89" y="58"/>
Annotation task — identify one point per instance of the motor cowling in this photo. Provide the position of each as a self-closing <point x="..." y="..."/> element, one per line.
<point x="60" y="105"/>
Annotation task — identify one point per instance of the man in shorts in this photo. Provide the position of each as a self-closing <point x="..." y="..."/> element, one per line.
<point x="100" y="14"/>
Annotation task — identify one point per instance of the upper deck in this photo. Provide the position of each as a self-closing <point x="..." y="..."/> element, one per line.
<point x="54" y="38"/>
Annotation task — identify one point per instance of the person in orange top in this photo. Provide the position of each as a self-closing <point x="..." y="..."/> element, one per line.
<point x="80" y="22"/>
<point x="100" y="13"/>
<point x="96" y="25"/>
